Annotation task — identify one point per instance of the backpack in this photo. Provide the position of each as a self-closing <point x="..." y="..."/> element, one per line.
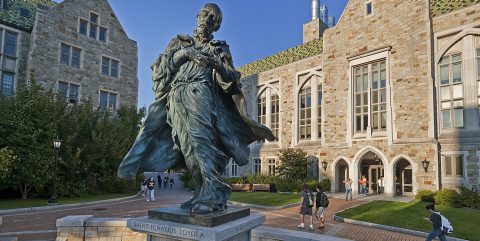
<point x="309" y="200"/>
<point x="324" y="200"/>
<point x="446" y="226"/>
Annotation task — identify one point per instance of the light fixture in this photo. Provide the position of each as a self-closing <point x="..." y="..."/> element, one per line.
<point x="324" y="165"/>
<point x="425" y="164"/>
<point x="53" y="198"/>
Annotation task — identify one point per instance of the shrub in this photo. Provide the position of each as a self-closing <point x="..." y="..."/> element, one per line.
<point x="288" y="186"/>
<point x="448" y="197"/>
<point x="231" y="180"/>
<point x="261" y="179"/>
<point x="469" y="198"/>
<point x="325" y="184"/>
<point x="187" y="180"/>
<point x="426" y="195"/>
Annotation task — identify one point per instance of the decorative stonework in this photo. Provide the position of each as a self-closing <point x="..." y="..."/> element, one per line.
<point x="440" y="7"/>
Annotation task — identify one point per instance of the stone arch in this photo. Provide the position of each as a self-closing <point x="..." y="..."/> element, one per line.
<point x="355" y="168"/>
<point x="396" y="160"/>
<point x="468" y="31"/>
<point x="336" y="175"/>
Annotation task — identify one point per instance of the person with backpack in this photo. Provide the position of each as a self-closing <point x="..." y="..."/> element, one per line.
<point x="438" y="226"/>
<point x="306" y="206"/>
<point x="150" y="190"/>
<point x="321" y="203"/>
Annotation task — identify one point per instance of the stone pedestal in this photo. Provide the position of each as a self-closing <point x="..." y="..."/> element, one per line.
<point x="176" y="224"/>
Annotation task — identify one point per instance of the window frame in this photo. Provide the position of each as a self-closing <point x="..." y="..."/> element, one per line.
<point x="366" y="13"/>
<point x="71" y="47"/>
<point x="451" y="85"/>
<point x="117" y="104"/>
<point x="97" y="27"/>
<point x="271" y="161"/>
<point x="378" y="55"/>
<point x="255" y="165"/>
<point x="2" y="73"/>
<point x="454" y="178"/>
<point x="110" y="60"/>
<point x="69" y="83"/>
<point x="233" y="168"/>
<point x="269" y="89"/>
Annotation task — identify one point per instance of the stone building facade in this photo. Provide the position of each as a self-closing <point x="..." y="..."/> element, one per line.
<point x="396" y="94"/>
<point x="77" y="48"/>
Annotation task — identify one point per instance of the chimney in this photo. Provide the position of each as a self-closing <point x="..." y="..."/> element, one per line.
<point x="315" y="8"/>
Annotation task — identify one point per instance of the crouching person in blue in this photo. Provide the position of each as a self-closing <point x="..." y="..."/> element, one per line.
<point x="436" y="221"/>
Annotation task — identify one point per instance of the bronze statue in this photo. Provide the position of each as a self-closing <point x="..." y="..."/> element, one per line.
<point x="198" y="119"/>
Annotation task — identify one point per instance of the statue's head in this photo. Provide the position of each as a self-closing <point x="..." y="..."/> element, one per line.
<point x="209" y="19"/>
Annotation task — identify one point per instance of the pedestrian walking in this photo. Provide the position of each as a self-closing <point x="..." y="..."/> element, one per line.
<point x="159" y="179"/>
<point x="171" y="183"/>
<point x="306" y="206"/>
<point x="436" y="221"/>
<point x="165" y="181"/>
<point x="381" y="185"/>
<point x="363" y="185"/>
<point x="321" y="203"/>
<point x="143" y="187"/>
<point x="150" y="190"/>
<point x="348" y="188"/>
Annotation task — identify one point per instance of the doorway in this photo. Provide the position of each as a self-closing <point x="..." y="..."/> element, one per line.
<point x="372" y="168"/>
<point x="341" y="174"/>
<point x="403" y="178"/>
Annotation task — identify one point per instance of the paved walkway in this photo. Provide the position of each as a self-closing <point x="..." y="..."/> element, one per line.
<point x="40" y="225"/>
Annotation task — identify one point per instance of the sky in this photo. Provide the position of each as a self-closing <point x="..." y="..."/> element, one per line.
<point x="254" y="29"/>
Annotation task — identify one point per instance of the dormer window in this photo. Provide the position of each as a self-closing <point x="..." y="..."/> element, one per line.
<point x="24" y="12"/>
<point x="368" y="9"/>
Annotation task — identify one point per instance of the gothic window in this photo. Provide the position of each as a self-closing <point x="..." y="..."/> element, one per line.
<point x="233" y="169"/>
<point x="257" y="166"/>
<point x="370" y="97"/>
<point x="305" y="112"/>
<point x="268" y="108"/>
<point x="319" y="110"/>
<point x="451" y="91"/>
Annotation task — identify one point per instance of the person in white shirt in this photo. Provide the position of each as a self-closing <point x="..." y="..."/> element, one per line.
<point x="381" y="185"/>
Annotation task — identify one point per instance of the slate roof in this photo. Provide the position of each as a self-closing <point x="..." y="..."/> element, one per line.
<point x="21" y="13"/>
<point x="440" y="7"/>
<point x="285" y="57"/>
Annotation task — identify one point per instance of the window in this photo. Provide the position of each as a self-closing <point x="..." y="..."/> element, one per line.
<point x="370" y="90"/>
<point x="271" y="167"/>
<point x="3" y="4"/>
<point x="268" y="107"/>
<point x="319" y="111"/>
<point x="233" y="168"/>
<point x="70" y="55"/>
<point x="368" y="8"/>
<point x="108" y="101"/>
<point x="7" y="83"/>
<point x="82" y="28"/>
<point x="24" y="12"/>
<point x="451" y="91"/>
<point x="478" y="80"/>
<point x="102" y="37"/>
<point x="93" y="28"/>
<point x="10" y="47"/>
<point x="275" y="116"/>
<point x="453" y="165"/>
<point x="109" y="67"/>
<point x="262" y="108"/>
<point x="257" y="166"/>
<point x="305" y="110"/>
<point x="68" y="91"/>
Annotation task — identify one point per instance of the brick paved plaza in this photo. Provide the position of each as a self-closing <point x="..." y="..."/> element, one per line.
<point x="43" y="222"/>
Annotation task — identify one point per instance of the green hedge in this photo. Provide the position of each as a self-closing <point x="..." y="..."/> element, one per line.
<point x="280" y="184"/>
<point x="469" y="198"/>
<point x="448" y="197"/>
<point x="426" y="195"/>
<point x="451" y="198"/>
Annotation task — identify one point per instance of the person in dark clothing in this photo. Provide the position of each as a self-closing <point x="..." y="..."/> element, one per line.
<point x="159" y="179"/>
<point x="151" y="190"/>
<point x="321" y="204"/>
<point x="165" y="181"/>
<point x="436" y="221"/>
<point x="307" y="202"/>
<point x="171" y="183"/>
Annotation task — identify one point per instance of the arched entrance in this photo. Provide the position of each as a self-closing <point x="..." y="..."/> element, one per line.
<point x="341" y="173"/>
<point x="372" y="168"/>
<point x="403" y="178"/>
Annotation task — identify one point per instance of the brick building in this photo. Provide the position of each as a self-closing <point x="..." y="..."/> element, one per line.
<point x="392" y="90"/>
<point x="76" y="47"/>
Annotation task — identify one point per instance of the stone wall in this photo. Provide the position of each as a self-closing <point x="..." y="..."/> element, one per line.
<point x="60" y="25"/>
<point x="87" y="228"/>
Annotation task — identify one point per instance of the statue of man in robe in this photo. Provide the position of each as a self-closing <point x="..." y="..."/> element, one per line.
<point x="198" y="119"/>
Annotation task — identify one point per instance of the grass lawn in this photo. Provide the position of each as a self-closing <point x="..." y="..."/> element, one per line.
<point x="409" y="215"/>
<point x="265" y="198"/>
<point x="20" y="203"/>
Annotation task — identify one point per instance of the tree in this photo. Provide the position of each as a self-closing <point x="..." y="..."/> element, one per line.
<point x="7" y="158"/>
<point x="293" y="165"/>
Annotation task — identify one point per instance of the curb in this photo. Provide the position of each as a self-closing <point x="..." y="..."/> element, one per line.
<point x="46" y="208"/>
<point x="388" y="228"/>
<point x="262" y="207"/>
